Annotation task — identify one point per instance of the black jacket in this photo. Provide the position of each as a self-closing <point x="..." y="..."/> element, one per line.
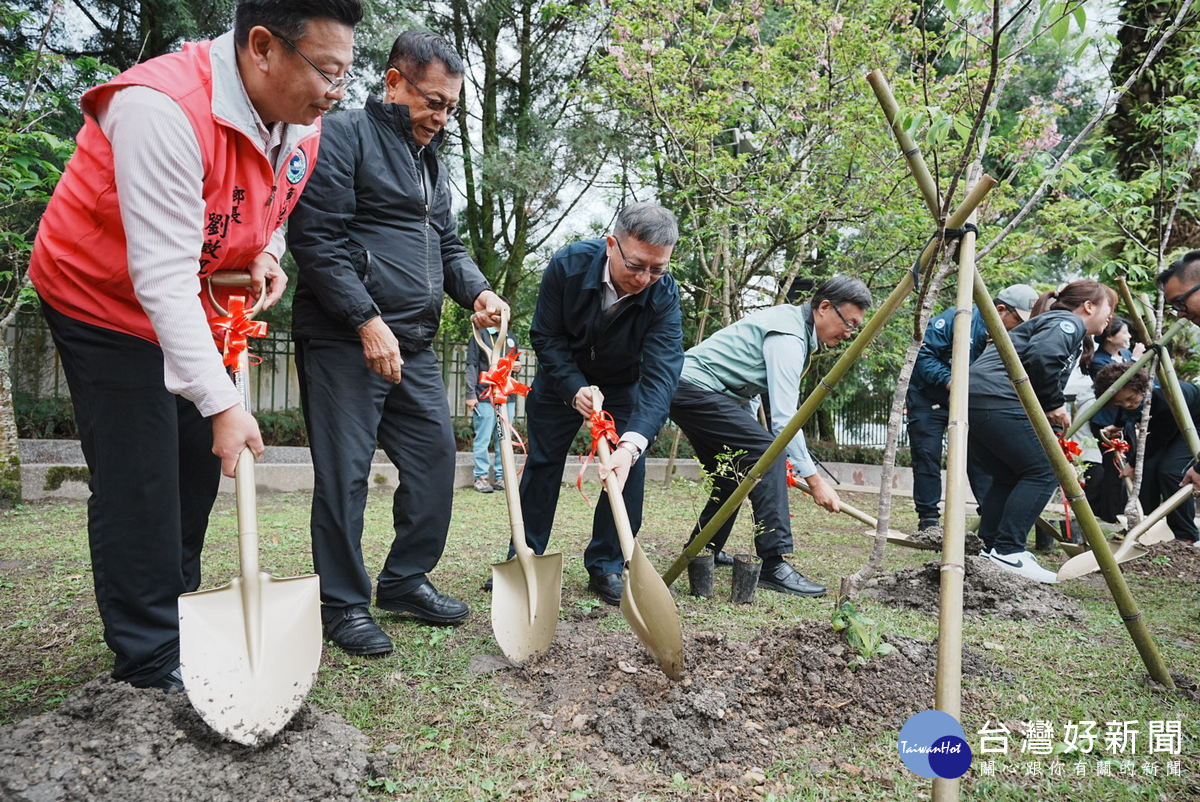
<point x="1049" y="346"/>
<point x="365" y="238"/>
<point x="479" y="360"/>
<point x="577" y="345"/>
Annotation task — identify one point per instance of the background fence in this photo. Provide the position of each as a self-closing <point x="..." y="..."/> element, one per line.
<point x="858" y="420"/>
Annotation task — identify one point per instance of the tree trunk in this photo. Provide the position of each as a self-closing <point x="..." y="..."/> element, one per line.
<point x="10" y="453"/>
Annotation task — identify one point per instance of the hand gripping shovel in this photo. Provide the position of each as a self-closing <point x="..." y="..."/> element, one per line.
<point x="526" y="588"/>
<point x="249" y="650"/>
<point x="894" y="537"/>
<point x="646" y="603"/>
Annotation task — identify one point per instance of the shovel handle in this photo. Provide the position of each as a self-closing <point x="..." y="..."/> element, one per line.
<point x="853" y="512"/>
<point x="233" y="278"/>
<point x="496" y="350"/>
<point x="616" y="500"/>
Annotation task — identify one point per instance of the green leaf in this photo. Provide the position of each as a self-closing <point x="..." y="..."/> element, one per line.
<point x="1060" y="29"/>
<point x="1080" y="16"/>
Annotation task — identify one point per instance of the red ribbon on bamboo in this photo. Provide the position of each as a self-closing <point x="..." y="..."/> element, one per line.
<point x="1071" y="450"/>
<point x="499" y="382"/>
<point x="234" y="330"/>
<point x="603" y="427"/>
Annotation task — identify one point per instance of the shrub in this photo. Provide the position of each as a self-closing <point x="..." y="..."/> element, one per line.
<point x="51" y="418"/>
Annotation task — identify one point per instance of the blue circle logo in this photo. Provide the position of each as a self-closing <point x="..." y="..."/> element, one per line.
<point x="297" y="167"/>
<point x="933" y="744"/>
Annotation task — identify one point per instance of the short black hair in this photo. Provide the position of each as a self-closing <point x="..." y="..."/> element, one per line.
<point x="840" y="290"/>
<point x="1186" y="268"/>
<point x="416" y="50"/>
<point x="1107" y="375"/>
<point x="290" y="17"/>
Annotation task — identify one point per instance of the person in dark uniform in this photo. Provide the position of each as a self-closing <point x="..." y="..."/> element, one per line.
<point x="1179" y="284"/>
<point x="377" y="246"/>
<point x="1105" y="487"/>
<point x="765" y="354"/>
<point x="1167" y="454"/>
<point x="607" y="319"/>
<point x="927" y="402"/>
<point x="483" y="415"/>
<point x="1001" y="440"/>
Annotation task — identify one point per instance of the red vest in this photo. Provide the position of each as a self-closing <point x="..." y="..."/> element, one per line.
<point x="79" y="257"/>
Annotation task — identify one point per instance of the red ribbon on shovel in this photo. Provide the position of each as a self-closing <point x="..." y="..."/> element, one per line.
<point x="603" y="427"/>
<point x="234" y="330"/>
<point x="1071" y="450"/>
<point x="499" y="385"/>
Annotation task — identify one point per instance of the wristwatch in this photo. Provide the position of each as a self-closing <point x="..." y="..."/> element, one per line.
<point x="631" y="448"/>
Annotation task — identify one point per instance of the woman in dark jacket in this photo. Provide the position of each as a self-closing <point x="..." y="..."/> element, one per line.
<point x="1002" y="443"/>
<point x="1105" y="488"/>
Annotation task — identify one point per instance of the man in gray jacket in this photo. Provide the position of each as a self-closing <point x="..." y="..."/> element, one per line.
<point x="764" y="354"/>
<point x="376" y="244"/>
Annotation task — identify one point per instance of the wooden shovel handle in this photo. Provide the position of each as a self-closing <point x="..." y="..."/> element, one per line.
<point x="233" y="278"/>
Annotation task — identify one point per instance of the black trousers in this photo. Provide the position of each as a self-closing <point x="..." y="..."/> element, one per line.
<point x="552" y="427"/>
<point x="718" y="425"/>
<point x="1003" y="446"/>
<point x="926" y="428"/>
<point x="1165" y="466"/>
<point x="153" y="482"/>
<point x="348" y="408"/>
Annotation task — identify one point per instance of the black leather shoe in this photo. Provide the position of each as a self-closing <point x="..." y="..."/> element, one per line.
<point x="608" y="586"/>
<point x="426" y="604"/>
<point x="721" y="558"/>
<point x="927" y="523"/>
<point x="781" y="576"/>
<point x="355" y="631"/>
<point x="170" y="683"/>
<point x="487" y="584"/>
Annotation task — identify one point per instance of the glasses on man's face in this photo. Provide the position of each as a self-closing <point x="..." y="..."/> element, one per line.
<point x="432" y="102"/>
<point x="336" y="85"/>
<point x="852" y="328"/>
<point x="653" y="272"/>
<point x="1178" y="304"/>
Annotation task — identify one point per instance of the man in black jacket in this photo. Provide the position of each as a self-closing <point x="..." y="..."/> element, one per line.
<point x="376" y="243"/>
<point x="607" y="319"/>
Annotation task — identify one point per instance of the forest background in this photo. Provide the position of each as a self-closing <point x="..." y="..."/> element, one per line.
<point x="751" y="120"/>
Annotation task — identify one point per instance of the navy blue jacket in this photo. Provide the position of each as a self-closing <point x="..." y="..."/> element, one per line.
<point x="1048" y="345"/>
<point x="642" y="343"/>
<point x="932" y="369"/>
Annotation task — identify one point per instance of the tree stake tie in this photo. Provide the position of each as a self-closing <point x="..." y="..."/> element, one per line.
<point x="603" y="427"/>
<point x="233" y="331"/>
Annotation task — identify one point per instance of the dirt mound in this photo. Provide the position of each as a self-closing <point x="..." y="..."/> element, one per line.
<point x="741" y="706"/>
<point x="1173" y="559"/>
<point x="112" y="741"/>
<point x="987" y="590"/>
<point x="932" y="536"/>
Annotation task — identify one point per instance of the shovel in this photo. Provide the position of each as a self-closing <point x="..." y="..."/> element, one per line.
<point x="894" y="537"/>
<point x="526" y="589"/>
<point x="646" y="603"/>
<point x="1130" y="548"/>
<point x="249" y="650"/>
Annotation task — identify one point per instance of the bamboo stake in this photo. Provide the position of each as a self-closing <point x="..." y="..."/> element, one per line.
<point x="1113" y="577"/>
<point x="824" y="387"/>
<point x="1166" y="372"/>
<point x="1087" y="414"/>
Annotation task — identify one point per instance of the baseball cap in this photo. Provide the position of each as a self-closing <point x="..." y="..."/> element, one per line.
<point x="1020" y="298"/>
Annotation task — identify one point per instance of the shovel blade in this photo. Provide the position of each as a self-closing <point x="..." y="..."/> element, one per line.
<point x="248" y="692"/>
<point x="649" y="608"/>
<point x="1085" y="562"/>
<point x="525" y="605"/>
<point x="897" y="538"/>
<point x="1159" y="533"/>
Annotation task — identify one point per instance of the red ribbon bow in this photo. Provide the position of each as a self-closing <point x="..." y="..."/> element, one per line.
<point x="1070" y="448"/>
<point x="234" y="330"/>
<point x="792" y="481"/>
<point x="1118" y="448"/>
<point x="499" y="381"/>
<point x="603" y="427"/>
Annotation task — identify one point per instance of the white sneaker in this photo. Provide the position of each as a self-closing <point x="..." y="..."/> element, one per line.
<point x="1023" y="564"/>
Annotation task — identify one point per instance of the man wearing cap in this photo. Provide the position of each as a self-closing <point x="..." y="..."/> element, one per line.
<point x="928" y="399"/>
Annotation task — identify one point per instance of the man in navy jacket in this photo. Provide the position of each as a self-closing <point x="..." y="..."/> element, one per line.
<point x="607" y="319"/>
<point x="928" y="399"/>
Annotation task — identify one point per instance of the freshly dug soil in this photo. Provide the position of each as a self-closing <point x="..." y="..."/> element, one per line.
<point x="932" y="536"/>
<point x="1173" y="559"/>
<point x="741" y="704"/>
<point x="987" y="590"/>
<point x="112" y="741"/>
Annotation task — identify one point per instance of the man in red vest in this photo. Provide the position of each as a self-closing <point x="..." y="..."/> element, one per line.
<point x="186" y="164"/>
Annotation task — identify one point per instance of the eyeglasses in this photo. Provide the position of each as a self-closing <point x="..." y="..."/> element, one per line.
<point x="655" y="272"/>
<point x="853" y="328"/>
<point x="1178" y="304"/>
<point x="336" y="85"/>
<point x="434" y="103"/>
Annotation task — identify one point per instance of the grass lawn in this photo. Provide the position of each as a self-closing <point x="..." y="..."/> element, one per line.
<point x="454" y="734"/>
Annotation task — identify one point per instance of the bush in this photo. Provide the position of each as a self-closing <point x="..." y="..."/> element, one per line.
<point x="282" y="427"/>
<point x="50" y="418"/>
<point x="827" y="451"/>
